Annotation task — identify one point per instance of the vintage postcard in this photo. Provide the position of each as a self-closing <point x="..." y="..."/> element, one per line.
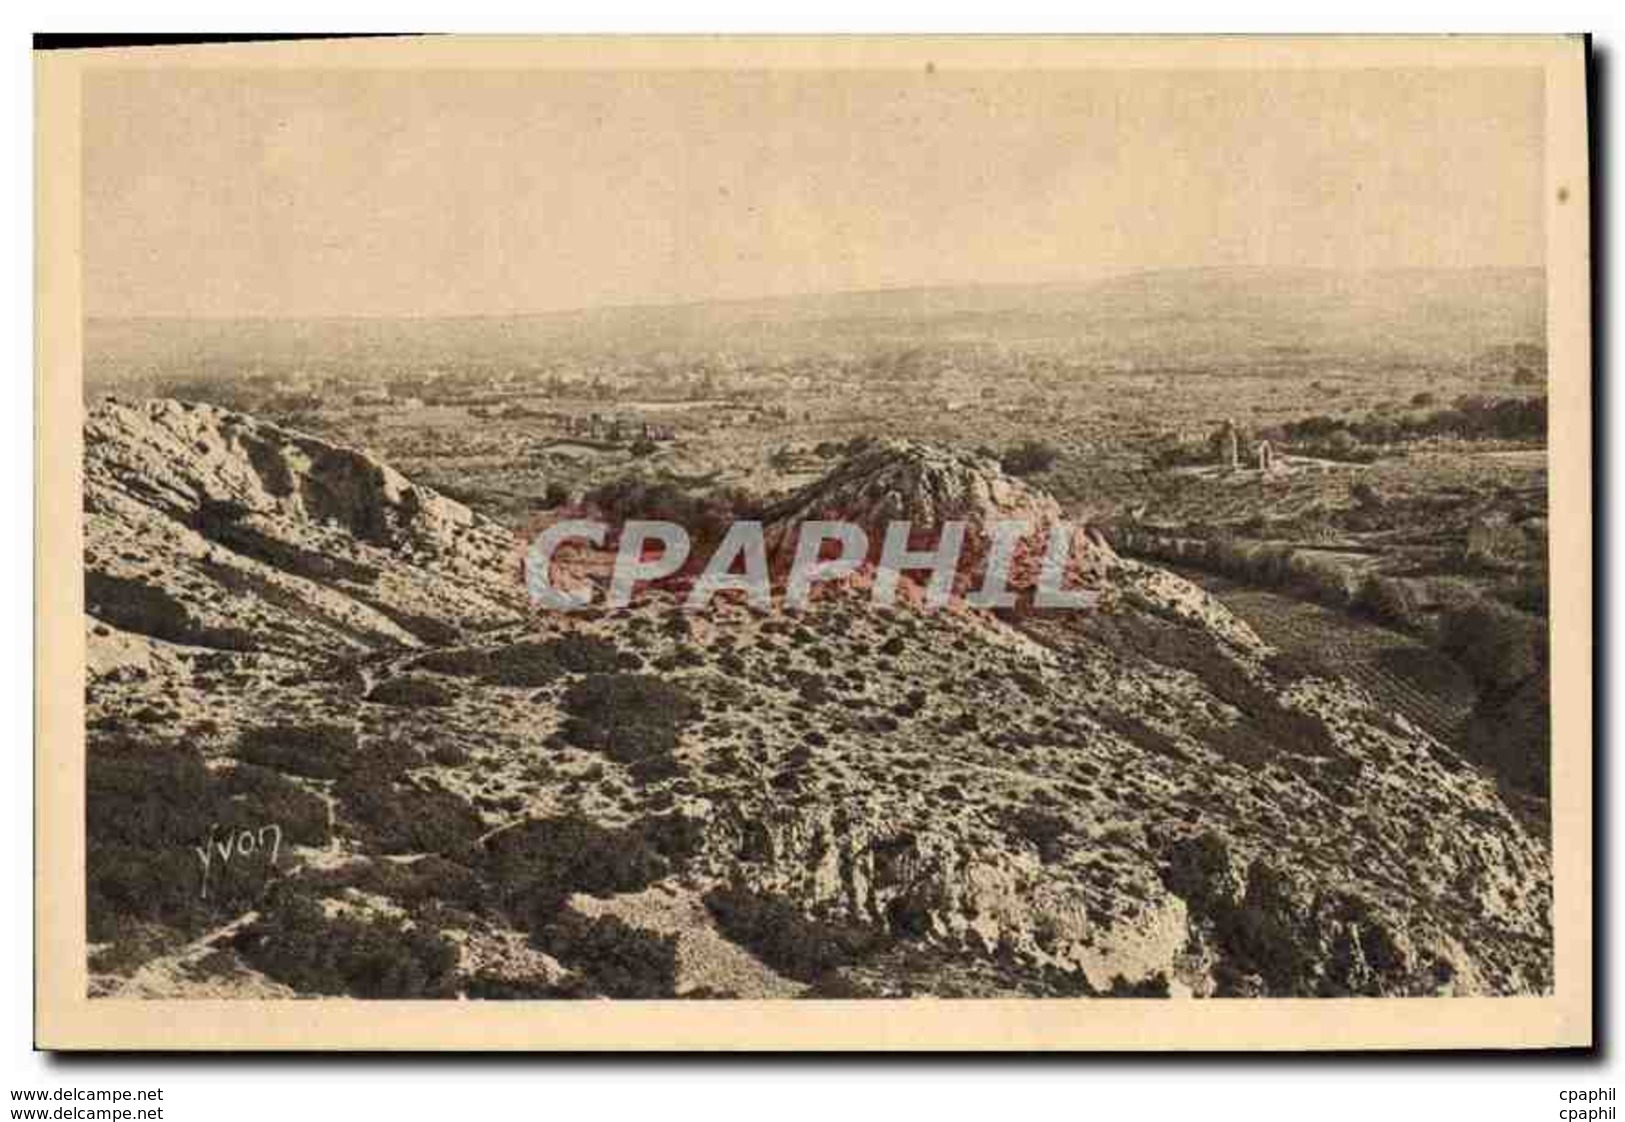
<point x="815" y="544"/>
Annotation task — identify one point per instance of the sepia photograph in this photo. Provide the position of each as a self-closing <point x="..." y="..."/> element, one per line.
<point x="815" y="544"/>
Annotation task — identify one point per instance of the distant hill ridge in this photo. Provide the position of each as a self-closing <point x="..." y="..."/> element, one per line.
<point x="1213" y="313"/>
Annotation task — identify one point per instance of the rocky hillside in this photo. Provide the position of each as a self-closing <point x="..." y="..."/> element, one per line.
<point x="1141" y="800"/>
<point x="213" y="529"/>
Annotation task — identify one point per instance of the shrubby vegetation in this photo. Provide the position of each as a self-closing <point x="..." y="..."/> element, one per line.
<point x="628" y="717"/>
<point x="148" y="806"/>
<point x="1509" y="730"/>
<point x="616" y="959"/>
<point x="1389" y="600"/>
<point x="524" y="875"/>
<point x="395" y="818"/>
<point x="321" y="751"/>
<point x="1030" y="457"/>
<point x="1137" y="732"/>
<point x="324" y="751"/>
<point x="431" y="880"/>
<point x="1262" y="564"/>
<point x="791" y="943"/>
<point x="529" y="662"/>
<point x="424" y="628"/>
<point x="675" y="836"/>
<point x="1499" y="646"/>
<point x="1356" y="439"/>
<point x="532" y="870"/>
<point x="1043" y="828"/>
<point x="411" y="691"/>
<point x="537" y="663"/>
<point x="274" y="798"/>
<point x="1155" y="986"/>
<point x="134" y="605"/>
<point x="222" y="523"/>
<point x="489" y="985"/>
<point x="301" y="946"/>
<point x="470" y="663"/>
<point x="1263" y="932"/>
<point x="705" y="516"/>
<point x="1528" y="592"/>
<point x="846" y="449"/>
<point x="535" y="867"/>
<point x="1471" y="417"/>
<point x="1511" y="734"/>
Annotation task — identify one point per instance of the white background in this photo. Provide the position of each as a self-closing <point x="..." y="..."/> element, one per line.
<point x="1360" y="1090"/>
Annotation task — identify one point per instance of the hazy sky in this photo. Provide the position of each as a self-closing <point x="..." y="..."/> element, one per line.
<point x="346" y="193"/>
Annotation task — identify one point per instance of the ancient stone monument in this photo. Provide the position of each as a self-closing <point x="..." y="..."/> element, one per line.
<point x="1229" y="446"/>
<point x="1266" y="456"/>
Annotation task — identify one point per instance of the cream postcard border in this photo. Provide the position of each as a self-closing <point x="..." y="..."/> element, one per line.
<point x="66" y="1019"/>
